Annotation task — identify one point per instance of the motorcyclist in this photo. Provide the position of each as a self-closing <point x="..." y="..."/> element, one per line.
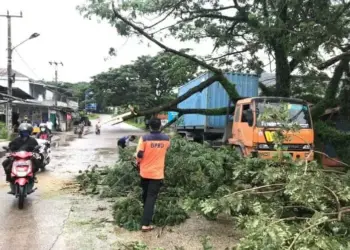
<point x="98" y="126"/>
<point x="81" y="127"/>
<point x="26" y="120"/>
<point x="22" y="143"/>
<point x="44" y="132"/>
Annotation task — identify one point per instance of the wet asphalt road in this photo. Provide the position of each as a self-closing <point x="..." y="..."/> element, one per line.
<point x="41" y="223"/>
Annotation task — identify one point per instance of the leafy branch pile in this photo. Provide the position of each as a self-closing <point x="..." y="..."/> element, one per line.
<point x="279" y="205"/>
<point x="286" y="206"/>
<point x="193" y="172"/>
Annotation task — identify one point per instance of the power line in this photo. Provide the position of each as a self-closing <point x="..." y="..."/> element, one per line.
<point x="26" y="64"/>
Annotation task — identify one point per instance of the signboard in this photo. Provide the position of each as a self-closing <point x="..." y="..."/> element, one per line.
<point x="91" y="106"/>
<point x="72" y="104"/>
<point x="61" y="104"/>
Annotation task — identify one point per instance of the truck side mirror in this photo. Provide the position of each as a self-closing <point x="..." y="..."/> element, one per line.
<point x="249" y="117"/>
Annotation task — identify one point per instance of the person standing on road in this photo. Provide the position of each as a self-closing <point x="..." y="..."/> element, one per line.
<point x="49" y="126"/>
<point x="124" y="141"/>
<point x="150" y="157"/>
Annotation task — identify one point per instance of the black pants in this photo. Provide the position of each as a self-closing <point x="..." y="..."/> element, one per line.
<point x="150" y="190"/>
<point x="122" y="144"/>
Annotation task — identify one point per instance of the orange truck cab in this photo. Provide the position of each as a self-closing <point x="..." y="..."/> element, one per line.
<point x="253" y="137"/>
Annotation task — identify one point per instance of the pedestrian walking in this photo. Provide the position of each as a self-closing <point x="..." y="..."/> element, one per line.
<point x="150" y="157"/>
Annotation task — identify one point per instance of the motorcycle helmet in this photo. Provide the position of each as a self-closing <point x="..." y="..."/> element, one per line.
<point x="43" y="127"/>
<point x="25" y="130"/>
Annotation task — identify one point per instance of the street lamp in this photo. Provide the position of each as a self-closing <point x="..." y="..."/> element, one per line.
<point x="32" y="36"/>
<point x="10" y="49"/>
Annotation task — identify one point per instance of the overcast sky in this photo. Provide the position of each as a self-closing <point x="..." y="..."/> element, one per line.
<point x="65" y="36"/>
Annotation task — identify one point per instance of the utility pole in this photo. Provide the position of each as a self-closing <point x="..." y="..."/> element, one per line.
<point x="9" y="70"/>
<point x="56" y="64"/>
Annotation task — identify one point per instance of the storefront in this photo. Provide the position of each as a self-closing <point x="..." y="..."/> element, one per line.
<point x="61" y="119"/>
<point x="36" y="113"/>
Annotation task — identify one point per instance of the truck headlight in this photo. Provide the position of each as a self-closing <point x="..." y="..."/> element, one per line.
<point x="263" y="146"/>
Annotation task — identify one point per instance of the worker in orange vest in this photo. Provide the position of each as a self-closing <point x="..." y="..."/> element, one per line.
<point x="150" y="153"/>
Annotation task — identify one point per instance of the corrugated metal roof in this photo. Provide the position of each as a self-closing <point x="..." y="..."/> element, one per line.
<point x="3" y="72"/>
<point x="16" y="92"/>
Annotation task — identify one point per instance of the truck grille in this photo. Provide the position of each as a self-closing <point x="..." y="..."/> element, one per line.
<point x="287" y="147"/>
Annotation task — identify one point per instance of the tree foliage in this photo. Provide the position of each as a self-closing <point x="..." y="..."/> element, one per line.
<point x="147" y="82"/>
<point x="75" y="91"/>
<point x="290" y="32"/>
<point x="279" y="205"/>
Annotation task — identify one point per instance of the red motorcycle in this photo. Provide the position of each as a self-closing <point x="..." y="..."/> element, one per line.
<point x="44" y="136"/>
<point x="22" y="181"/>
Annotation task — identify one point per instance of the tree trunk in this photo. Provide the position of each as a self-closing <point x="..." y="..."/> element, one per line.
<point x="282" y="71"/>
<point x="345" y="95"/>
<point x="329" y="99"/>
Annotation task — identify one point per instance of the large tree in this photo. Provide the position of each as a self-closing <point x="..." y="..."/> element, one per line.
<point x="291" y="32"/>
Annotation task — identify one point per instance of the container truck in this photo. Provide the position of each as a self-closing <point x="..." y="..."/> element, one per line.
<point x="211" y="128"/>
<point x="247" y="135"/>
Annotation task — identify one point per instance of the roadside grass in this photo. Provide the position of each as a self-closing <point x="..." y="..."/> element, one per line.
<point x="3" y="132"/>
<point x="93" y="116"/>
<point x="135" y="124"/>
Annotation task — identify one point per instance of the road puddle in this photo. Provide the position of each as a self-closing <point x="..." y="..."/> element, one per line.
<point x="64" y="141"/>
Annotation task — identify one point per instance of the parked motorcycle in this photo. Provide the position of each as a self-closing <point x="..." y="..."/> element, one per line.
<point x="45" y="152"/>
<point x="22" y="174"/>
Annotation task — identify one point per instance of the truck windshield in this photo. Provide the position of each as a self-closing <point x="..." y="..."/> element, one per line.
<point x="298" y="113"/>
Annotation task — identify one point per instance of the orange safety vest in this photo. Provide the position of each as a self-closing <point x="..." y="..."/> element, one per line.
<point x="151" y="151"/>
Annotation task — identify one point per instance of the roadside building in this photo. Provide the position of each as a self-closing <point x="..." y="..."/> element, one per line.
<point x="38" y="101"/>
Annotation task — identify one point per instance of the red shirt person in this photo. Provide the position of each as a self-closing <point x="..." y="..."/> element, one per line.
<point x="151" y="152"/>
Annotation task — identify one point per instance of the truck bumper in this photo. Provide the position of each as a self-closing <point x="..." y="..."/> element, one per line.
<point x="296" y="155"/>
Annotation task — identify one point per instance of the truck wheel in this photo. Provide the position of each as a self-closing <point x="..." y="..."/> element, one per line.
<point x="239" y="152"/>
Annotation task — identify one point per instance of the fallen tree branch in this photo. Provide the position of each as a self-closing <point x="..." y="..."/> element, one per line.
<point x="335" y="198"/>
<point x="255" y="188"/>
<point x="332" y="159"/>
<point x="173" y="103"/>
<point x="333" y="60"/>
<point x="270" y="191"/>
<point x="211" y="112"/>
<point x="218" y="74"/>
<point x="171" y="122"/>
<point x="305" y="230"/>
<point x="331" y="91"/>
